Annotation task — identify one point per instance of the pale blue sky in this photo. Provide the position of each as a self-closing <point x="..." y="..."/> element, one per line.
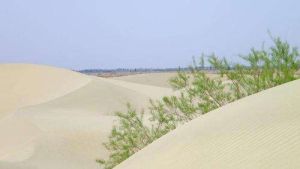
<point x="82" y="34"/>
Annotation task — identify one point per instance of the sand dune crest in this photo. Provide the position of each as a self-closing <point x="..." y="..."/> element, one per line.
<point x="25" y="84"/>
<point x="259" y="131"/>
<point x="56" y="118"/>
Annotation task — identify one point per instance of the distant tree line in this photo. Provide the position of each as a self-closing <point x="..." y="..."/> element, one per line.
<point x="140" y="70"/>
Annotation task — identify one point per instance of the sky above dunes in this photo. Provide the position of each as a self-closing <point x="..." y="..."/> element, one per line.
<point x="81" y="34"/>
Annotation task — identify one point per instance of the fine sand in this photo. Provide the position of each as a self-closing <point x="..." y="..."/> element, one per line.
<point x="56" y="118"/>
<point x="260" y="131"/>
<point x="154" y="79"/>
<point x="22" y="85"/>
<point x="157" y="79"/>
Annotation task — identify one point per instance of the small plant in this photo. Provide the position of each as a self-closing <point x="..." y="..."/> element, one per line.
<point x="127" y="138"/>
<point x="199" y="94"/>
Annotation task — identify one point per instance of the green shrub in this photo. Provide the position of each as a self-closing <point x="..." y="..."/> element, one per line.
<point x="197" y="94"/>
<point x="263" y="69"/>
<point x="127" y="138"/>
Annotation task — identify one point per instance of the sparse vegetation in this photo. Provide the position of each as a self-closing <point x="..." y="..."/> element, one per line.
<point x="198" y="94"/>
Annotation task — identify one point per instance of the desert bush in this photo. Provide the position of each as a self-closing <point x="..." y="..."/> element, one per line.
<point x="197" y="94"/>
<point x="127" y="138"/>
<point x="263" y="69"/>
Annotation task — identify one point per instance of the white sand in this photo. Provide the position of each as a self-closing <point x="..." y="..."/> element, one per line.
<point x="23" y="84"/>
<point x="260" y="131"/>
<point x="55" y="118"/>
<point x="154" y="79"/>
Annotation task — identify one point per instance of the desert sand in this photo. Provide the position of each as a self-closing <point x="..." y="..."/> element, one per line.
<point x="259" y="131"/>
<point x="154" y="79"/>
<point x="160" y="79"/>
<point x="23" y="84"/>
<point x="56" y="118"/>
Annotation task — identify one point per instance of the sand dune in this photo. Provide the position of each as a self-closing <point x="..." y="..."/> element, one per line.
<point x="259" y="131"/>
<point x="55" y="118"/>
<point x="154" y="79"/>
<point x="24" y="84"/>
<point x="100" y="97"/>
<point x="157" y="79"/>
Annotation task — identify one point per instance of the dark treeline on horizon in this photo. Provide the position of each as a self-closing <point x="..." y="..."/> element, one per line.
<point x="87" y="71"/>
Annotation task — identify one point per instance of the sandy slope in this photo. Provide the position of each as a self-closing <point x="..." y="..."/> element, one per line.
<point x="260" y="131"/>
<point x="62" y="117"/>
<point x="24" y="84"/>
<point x="154" y="79"/>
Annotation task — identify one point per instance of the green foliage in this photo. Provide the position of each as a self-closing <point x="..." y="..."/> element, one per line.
<point x="197" y="94"/>
<point x="127" y="138"/>
<point x="264" y="69"/>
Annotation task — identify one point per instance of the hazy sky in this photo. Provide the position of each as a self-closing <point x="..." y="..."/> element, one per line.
<point x="81" y="34"/>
